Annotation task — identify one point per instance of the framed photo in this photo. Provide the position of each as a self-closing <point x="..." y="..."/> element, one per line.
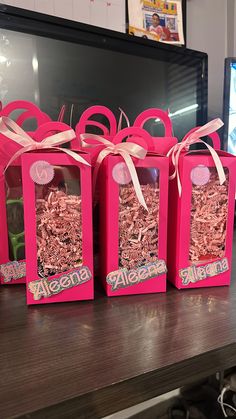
<point x="158" y="20"/>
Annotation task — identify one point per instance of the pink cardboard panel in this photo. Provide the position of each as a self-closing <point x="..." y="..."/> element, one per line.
<point x="69" y="291"/>
<point x="109" y="224"/>
<point x="179" y="217"/>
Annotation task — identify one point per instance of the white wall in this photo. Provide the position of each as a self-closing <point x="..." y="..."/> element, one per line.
<point x="211" y="27"/>
<point x="109" y="14"/>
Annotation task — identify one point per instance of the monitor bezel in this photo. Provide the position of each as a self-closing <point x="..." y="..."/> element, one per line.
<point x="227" y="77"/>
<point x="39" y="24"/>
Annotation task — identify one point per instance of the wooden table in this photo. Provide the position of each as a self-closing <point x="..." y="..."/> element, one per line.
<point x="89" y="359"/>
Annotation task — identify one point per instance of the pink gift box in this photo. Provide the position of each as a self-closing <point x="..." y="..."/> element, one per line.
<point x="12" y="245"/>
<point x="146" y="272"/>
<point x="58" y="221"/>
<point x="200" y="226"/>
<point x="46" y="282"/>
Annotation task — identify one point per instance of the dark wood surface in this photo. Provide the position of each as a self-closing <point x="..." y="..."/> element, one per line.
<point x="89" y="359"/>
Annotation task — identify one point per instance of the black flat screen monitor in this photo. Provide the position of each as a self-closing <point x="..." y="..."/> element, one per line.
<point x="229" y="107"/>
<point x="53" y="61"/>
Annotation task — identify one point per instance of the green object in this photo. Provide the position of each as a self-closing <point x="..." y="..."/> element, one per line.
<point x="15" y="222"/>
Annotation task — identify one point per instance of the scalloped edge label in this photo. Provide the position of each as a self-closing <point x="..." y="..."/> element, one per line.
<point x="41" y="172"/>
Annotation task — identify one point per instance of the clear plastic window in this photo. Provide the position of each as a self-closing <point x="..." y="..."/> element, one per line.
<point x="138" y="229"/>
<point x="209" y="210"/>
<point x="15" y="213"/>
<point x="59" y="222"/>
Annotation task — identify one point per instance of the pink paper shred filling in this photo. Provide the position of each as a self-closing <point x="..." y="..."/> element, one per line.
<point x="59" y="234"/>
<point x="208" y="219"/>
<point x="138" y="228"/>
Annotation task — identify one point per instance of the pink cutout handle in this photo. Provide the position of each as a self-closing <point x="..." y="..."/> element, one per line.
<point x="28" y="115"/>
<point x="50" y="128"/>
<point x="84" y="122"/>
<point x="135" y="135"/>
<point x="103" y="128"/>
<point x="31" y="111"/>
<point x="157" y="114"/>
<point x="214" y="136"/>
<point x="97" y="110"/>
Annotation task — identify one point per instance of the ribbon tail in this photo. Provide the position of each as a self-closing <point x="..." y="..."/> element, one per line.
<point x="179" y="183"/>
<point x="99" y="140"/>
<point x="74" y="155"/>
<point x="18" y="154"/>
<point x="100" y="159"/>
<point x="11" y="130"/>
<point x="208" y="128"/>
<point x="129" y="162"/>
<point x="218" y="164"/>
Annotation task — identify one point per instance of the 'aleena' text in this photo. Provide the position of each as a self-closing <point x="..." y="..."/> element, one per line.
<point x="197" y="273"/>
<point x="124" y="278"/>
<point x="13" y="270"/>
<point x="49" y="287"/>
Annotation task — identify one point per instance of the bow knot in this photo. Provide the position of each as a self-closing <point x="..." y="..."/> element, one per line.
<point x="194" y="138"/>
<point x="125" y="150"/>
<point x="38" y="146"/>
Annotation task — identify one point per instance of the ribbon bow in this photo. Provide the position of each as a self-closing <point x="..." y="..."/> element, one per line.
<point x="12" y="131"/>
<point x="125" y="150"/>
<point x="194" y="138"/>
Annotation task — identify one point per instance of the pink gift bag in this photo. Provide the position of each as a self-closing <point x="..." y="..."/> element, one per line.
<point x="160" y="144"/>
<point x="133" y="196"/>
<point x="12" y="247"/>
<point x="201" y="212"/>
<point x="58" y="219"/>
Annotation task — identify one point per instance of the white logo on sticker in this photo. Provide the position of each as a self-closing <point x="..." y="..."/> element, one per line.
<point x="121" y="174"/>
<point x="41" y="172"/>
<point x="200" y="175"/>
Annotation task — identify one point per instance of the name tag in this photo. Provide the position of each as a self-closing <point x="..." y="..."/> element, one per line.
<point x="123" y="278"/>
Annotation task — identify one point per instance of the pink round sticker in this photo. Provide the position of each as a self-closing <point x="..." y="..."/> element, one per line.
<point x="121" y="174"/>
<point x="41" y="172"/>
<point x="200" y="175"/>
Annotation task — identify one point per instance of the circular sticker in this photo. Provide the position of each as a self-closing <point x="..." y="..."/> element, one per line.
<point x="41" y="172"/>
<point x="121" y="174"/>
<point x="200" y="175"/>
